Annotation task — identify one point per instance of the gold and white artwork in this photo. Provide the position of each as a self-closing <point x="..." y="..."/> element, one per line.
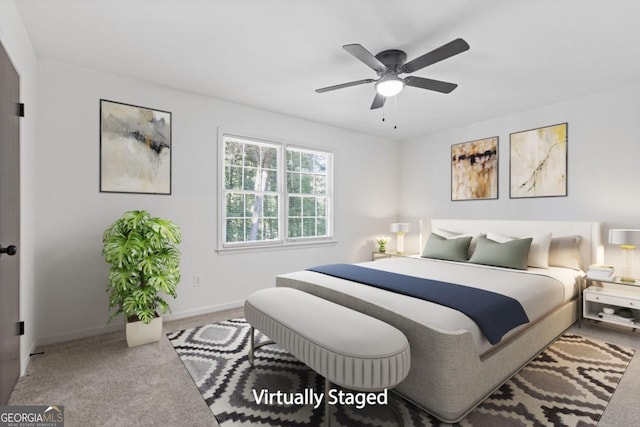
<point x="474" y="170"/>
<point x="539" y="162"/>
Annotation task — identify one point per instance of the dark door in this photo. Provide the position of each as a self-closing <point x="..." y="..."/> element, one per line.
<point x="9" y="226"/>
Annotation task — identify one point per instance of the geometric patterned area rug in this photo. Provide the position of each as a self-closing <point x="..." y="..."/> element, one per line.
<point x="568" y="384"/>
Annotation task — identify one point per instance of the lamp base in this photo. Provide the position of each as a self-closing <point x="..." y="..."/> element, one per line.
<point x="627" y="273"/>
<point x="400" y="245"/>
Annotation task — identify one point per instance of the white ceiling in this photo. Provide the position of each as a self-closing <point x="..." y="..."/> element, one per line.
<point x="272" y="54"/>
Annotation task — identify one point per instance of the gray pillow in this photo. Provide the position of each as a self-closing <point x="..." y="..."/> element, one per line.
<point x="455" y="235"/>
<point x="439" y="247"/>
<point x="511" y="254"/>
<point x="565" y="252"/>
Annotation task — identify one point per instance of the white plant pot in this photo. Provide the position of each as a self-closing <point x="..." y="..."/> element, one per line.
<point x="138" y="333"/>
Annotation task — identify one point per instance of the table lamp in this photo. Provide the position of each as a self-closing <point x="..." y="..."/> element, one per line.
<point x="627" y="239"/>
<point x="400" y="228"/>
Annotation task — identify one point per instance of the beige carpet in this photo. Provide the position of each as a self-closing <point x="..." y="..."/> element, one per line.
<point x="102" y="382"/>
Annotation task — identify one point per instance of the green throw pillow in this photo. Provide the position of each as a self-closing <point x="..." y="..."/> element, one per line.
<point x="454" y="249"/>
<point x="511" y="254"/>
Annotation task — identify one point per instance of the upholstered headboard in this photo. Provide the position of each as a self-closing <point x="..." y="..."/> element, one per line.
<point x="591" y="249"/>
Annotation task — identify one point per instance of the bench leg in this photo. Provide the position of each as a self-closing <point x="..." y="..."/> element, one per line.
<point x="327" y="408"/>
<point x="253" y="347"/>
<point x="396" y="413"/>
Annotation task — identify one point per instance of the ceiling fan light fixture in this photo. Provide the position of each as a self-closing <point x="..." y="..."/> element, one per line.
<point x="389" y="86"/>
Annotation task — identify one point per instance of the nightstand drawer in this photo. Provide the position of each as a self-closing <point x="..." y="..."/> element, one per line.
<point x="608" y="299"/>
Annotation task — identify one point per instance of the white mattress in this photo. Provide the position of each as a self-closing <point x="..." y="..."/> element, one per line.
<point x="539" y="291"/>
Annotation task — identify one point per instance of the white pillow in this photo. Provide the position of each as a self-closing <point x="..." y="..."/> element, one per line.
<point x="456" y="235"/>
<point x="448" y="234"/>
<point x="539" y="252"/>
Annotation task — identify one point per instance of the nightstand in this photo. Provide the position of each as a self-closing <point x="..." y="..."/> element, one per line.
<point x="615" y="294"/>
<point x="391" y="254"/>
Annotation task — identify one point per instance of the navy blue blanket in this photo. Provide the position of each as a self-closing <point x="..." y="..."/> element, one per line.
<point x="495" y="314"/>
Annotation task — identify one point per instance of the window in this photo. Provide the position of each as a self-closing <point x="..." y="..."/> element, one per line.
<point x="306" y="193"/>
<point x="258" y="208"/>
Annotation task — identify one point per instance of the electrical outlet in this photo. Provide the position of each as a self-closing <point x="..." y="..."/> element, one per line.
<point x="197" y="281"/>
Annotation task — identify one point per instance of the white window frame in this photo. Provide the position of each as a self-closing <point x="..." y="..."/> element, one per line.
<point x="328" y="195"/>
<point x="284" y="240"/>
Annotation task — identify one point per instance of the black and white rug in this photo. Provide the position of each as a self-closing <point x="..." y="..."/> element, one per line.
<point x="568" y="384"/>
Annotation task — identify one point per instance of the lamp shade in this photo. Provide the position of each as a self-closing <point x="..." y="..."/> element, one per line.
<point x="624" y="236"/>
<point x="400" y="227"/>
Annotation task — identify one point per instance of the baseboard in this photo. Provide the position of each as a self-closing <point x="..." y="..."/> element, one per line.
<point x="204" y="310"/>
<point x="119" y="325"/>
<point x="83" y="333"/>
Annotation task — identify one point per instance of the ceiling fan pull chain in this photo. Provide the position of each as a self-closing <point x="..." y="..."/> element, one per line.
<point x="395" y="105"/>
<point x="395" y="109"/>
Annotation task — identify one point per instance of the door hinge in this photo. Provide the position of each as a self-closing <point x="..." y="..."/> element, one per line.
<point x="20" y="109"/>
<point x="21" y="328"/>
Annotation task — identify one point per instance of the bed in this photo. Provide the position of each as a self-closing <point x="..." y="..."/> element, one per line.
<point x="453" y="365"/>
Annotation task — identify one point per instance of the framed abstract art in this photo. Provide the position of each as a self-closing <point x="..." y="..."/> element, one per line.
<point x="474" y="169"/>
<point x="135" y="149"/>
<point x="538" y="162"/>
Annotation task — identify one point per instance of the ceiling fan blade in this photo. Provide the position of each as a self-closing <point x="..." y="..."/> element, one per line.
<point x="443" y="52"/>
<point x="365" y="56"/>
<point x="378" y="101"/>
<point x="437" y="85"/>
<point x="343" y="85"/>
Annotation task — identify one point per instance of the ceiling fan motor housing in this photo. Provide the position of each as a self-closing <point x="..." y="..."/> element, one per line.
<point x="393" y="59"/>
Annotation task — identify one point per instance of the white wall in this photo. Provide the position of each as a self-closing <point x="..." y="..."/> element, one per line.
<point x="70" y="274"/>
<point x="72" y="213"/>
<point x="17" y="44"/>
<point x="603" y="169"/>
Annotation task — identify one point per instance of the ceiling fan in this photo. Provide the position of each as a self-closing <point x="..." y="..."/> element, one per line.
<point x="389" y="64"/>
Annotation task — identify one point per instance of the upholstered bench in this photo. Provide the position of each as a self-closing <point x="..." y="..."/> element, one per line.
<point x="346" y="347"/>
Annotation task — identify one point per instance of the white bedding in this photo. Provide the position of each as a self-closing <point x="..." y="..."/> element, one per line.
<point x="539" y="291"/>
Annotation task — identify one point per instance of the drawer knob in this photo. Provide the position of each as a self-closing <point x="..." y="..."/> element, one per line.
<point x="597" y="298"/>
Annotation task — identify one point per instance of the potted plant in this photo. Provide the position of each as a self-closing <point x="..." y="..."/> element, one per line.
<point x="382" y="243"/>
<point x="144" y="258"/>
